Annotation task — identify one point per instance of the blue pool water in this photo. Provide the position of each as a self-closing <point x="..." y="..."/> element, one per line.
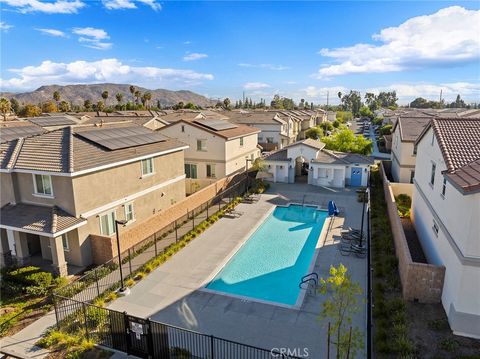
<point x="272" y="261"/>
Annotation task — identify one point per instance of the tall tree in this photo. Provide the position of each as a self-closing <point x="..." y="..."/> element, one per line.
<point x="14" y="105"/>
<point x="56" y="97"/>
<point x="64" y="106"/>
<point x="346" y="141"/>
<point x="148" y="98"/>
<point x="388" y="99"/>
<point x="132" y="91"/>
<point x="87" y="104"/>
<point x="100" y="106"/>
<point x="5" y="107"/>
<point x="352" y="102"/>
<point x="138" y="96"/>
<point x="105" y="97"/>
<point x="226" y="103"/>
<point x="119" y="98"/>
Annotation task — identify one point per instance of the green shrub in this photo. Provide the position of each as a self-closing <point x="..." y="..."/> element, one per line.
<point x="449" y="345"/>
<point x="439" y="324"/>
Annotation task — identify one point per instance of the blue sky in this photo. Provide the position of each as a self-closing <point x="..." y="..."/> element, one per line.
<point x="219" y="49"/>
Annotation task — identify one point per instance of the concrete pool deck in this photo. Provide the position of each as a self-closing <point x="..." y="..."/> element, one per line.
<point x="171" y="294"/>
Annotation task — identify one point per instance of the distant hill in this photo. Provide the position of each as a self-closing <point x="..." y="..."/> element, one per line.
<point x="77" y="94"/>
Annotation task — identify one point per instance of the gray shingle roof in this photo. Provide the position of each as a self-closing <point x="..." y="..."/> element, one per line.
<point x="46" y="220"/>
<point x="411" y="127"/>
<point x="280" y="155"/>
<point x="63" y="151"/>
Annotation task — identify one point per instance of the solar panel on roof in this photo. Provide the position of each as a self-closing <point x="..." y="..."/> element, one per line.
<point x="217" y="125"/>
<point x="52" y="121"/>
<point x="12" y="133"/>
<point x="122" y="137"/>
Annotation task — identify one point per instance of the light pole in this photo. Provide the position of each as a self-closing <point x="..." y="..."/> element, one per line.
<point x="246" y="172"/>
<point x="123" y="290"/>
<point x="360" y="243"/>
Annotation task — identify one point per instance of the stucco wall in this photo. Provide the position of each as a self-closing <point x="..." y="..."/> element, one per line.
<point x="422" y="282"/>
<point x="104" y="248"/>
<point x="7" y="194"/>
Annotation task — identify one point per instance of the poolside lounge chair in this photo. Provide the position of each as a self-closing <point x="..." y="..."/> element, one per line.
<point x="347" y="248"/>
<point x="233" y="212"/>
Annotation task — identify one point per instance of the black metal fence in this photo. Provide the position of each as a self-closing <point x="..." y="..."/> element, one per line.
<point x="146" y="338"/>
<point x="106" y="277"/>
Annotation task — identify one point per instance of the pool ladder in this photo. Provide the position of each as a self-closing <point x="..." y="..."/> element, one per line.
<point x="309" y="278"/>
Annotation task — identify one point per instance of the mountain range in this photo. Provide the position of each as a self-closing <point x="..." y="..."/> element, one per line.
<point x="77" y="94"/>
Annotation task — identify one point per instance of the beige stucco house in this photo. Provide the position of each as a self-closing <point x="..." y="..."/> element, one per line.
<point x="61" y="187"/>
<point x="217" y="149"/>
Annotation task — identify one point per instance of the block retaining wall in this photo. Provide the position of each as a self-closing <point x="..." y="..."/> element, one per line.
<point x="420" y="281"/>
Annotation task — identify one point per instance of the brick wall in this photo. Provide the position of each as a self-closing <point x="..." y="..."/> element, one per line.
<point x="105" y="248"/>
<point x="420" y="281"/>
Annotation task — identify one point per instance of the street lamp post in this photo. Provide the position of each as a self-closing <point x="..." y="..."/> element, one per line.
<point x="123" y="290"/>
<point x="360" y="243"/>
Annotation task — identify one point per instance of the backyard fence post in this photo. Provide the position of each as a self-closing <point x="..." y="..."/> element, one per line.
<point x="328" y="341"/>
<point x="219" y="203"/>
<point x="349" y="343"/>
<point x="86" y="322"/>
<point x="212" y="349"/>
<point x="176" y="231"/>
<point x="155" y="243"/>
<point x="207" y="211"/>
<point x="129" y="261"/>
<point x="54" y="299"/>
<point x="96" y="281"/>
<point x="193" y="219"/>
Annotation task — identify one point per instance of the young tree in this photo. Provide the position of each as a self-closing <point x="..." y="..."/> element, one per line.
<point x="314" y="132"/>
<point x="339" y="309"/>
<point x="226" y="103"/>
<point x="190" y="106"/>
<point x="5" y="107"/>
<point x="366" y="112"/>
<point x="100" y="106"/>
<point x="14" y="105"/>
<point x="48" y="107"/>
<point x="345" y="141"/>
<point x="64" y="106"/>
<point x="30" y="110"/>
<point x="87" y="104"/>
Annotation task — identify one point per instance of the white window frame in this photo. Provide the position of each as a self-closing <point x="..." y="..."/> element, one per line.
<point x="65" y="244"/>
<point x="196" y="170"/>
<point x="35" y="188"/>
<point x="212" y="170"/>
<point x="109" y="212"/>
<point x="126" y="205"/>
<point x="153" y="167"/>
<point x="201" y="148"/>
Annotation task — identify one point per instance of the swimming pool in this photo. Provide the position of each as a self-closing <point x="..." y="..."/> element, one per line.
<point x="270" y="264"/>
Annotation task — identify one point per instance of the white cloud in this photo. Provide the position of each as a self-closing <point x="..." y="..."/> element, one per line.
<point x="4" y="26"/>
<point x="130" y="4"/>
<point x="106" y="70"/>
<point x="52" y="32"/>
<point x="265" y="66"/>
<point x="92" y="37"/>
<point x="187" y="42"/>
<point x="255" y="85"/>
<point x="449" y="36"/>
<point x="194" y="56"/>
<point x="48" y="7"/>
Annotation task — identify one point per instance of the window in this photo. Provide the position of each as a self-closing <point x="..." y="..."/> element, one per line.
<point x="435" y="228"/>
<point x="43" y="185"/>
<point x="269" y="139"/>
<point x="211" y="171"/>
<point x="65" y="244"/>
<point x="241" y="141"/>
<point x="322" y="172"/>
<point x="444" y="187"/>
<point x="191" y="170"/>
<point x="201" y="145"/>
<point x="432" y="174"/>
<point x="107" y="223"/>
<point x="412" y="176"/>
<point x="147" y="166"/>
<point x="414" y="150"/>
<point x="129" y="215"/>
<point x="183" y="128"/>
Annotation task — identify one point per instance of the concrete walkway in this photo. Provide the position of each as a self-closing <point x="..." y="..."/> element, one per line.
<point x="172" y="293"/>
<point x="376" y="152"/>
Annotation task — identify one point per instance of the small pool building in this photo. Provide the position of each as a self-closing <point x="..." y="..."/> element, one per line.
<point x="309" y="161"/>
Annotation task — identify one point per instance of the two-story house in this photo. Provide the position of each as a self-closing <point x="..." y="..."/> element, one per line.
<point x="404" y="153"/>
<point x="61" y="187"/>
<point x="217" y="148"/>
<point x="446" y="214"/>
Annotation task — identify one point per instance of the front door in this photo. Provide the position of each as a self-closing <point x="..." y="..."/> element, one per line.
<point x="356" y="177"/>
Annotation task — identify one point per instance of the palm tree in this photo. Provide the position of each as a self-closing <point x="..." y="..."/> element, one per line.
<point x="132" y="90"/>
<point x="105" y="96"/>
<point x="138" y="95"/>
<point x="87" y="104"/>
<point x="5" y="107"/>
<point x="119" y="98"/>
<point x="56" y="96"/>
<point x="148" y="98"/>
<point x="100" y="106"/>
